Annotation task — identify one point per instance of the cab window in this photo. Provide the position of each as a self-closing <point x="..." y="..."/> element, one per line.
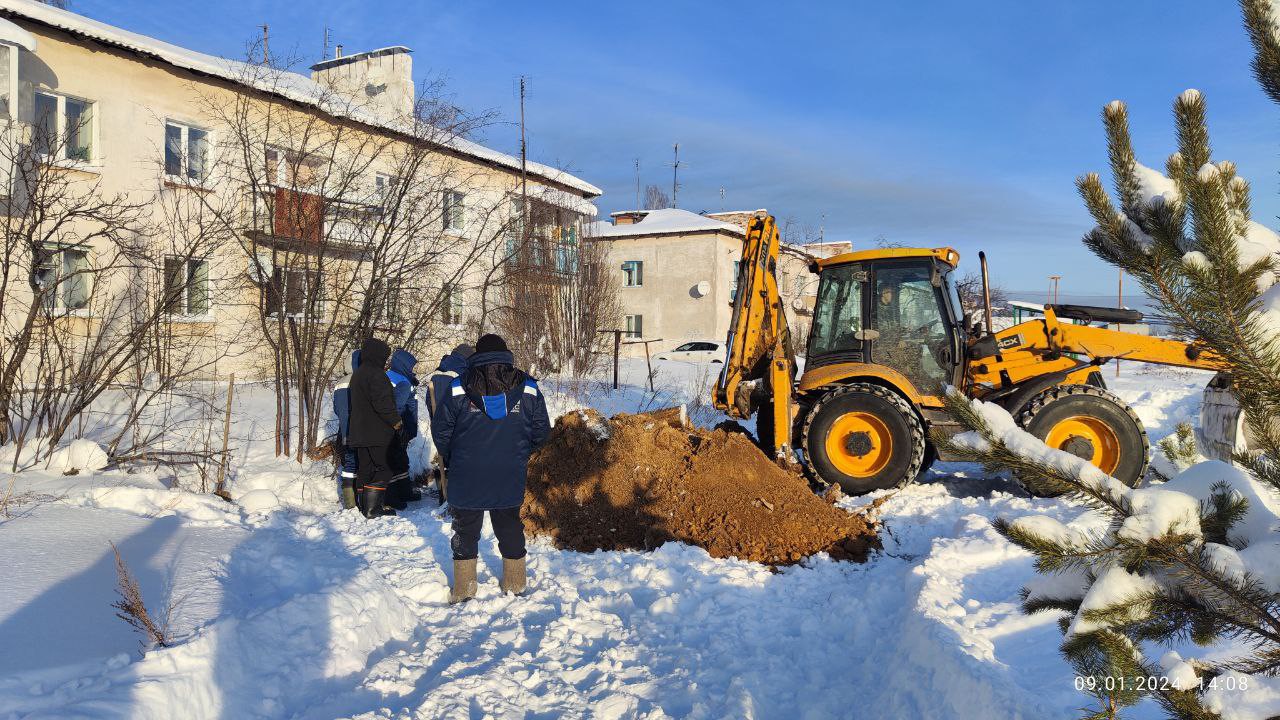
<point x="913" y="335"/>
<point x="837" y="317"/>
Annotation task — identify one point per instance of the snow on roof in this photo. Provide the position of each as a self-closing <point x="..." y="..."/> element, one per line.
<point x="291" y="85"/>
<point x="669" y="221"/>
<point x="353" y="57"/>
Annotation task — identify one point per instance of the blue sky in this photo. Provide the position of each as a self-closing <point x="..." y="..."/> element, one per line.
<point x="933" y="123"/>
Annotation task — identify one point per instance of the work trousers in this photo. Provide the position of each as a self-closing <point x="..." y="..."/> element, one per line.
<point x="507" y="526"/>
<point x="372" y="467"/>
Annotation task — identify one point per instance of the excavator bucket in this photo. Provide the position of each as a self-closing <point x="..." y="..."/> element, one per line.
<point x="1222" y="430"/>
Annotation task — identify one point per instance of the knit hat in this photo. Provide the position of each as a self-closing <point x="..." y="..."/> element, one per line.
<point x="491" y="343"/>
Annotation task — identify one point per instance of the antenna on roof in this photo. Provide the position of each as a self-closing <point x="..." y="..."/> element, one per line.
<point x="637" y="205"/>
<point x="675" y="177"/>
<point x="722" y="198"/>
<point x="324" y="50"/>
<point x="266" y="44"/>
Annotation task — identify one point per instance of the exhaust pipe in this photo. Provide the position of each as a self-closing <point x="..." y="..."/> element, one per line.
<point x="986" y="293"/>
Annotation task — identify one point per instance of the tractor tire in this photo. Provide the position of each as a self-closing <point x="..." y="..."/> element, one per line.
<point x="864" y="437"/>
<point x="1092" y="424"/>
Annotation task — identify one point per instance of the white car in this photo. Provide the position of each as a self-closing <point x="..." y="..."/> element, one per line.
<point x="698" y="351"/>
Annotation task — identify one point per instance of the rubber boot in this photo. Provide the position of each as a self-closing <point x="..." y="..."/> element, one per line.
<point x="348" y="497"/>
<point x="372" y="504"/>
<point x="464" y="581"/>
<point x="397" y="494"/>
<point x="514" y="577"/>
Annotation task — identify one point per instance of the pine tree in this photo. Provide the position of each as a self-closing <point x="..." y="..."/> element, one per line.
<point x="1174" y="562"/>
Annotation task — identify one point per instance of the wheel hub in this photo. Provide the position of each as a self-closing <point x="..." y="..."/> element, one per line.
<point x="1080" y="447"/>
<point x="858" y="443"/>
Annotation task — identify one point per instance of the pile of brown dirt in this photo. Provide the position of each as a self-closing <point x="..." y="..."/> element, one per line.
<point x="638" y="481"/>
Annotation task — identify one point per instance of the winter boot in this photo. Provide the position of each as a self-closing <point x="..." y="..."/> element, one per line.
<point x="348" y="497"/>
<point x="513" y="576"/>
<point x="464" y="581"/>
<point x="371" y="505"/>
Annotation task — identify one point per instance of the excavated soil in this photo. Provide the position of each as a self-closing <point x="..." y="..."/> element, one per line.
<point x="638" y="481"/>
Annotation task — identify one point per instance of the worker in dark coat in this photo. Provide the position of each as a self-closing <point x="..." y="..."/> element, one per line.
<point x="452" y="367"/>
<point x="373" y="425"/>
<point x="485" y="432"/>
<point x="346" y="453"/>
<point x="404" y="385"/>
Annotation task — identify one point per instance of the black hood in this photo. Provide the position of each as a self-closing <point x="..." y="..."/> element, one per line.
<point x="374" y="352"/>
<point x="492" y="373"/>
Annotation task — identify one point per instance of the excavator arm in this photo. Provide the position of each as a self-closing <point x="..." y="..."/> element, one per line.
<point x="759" y="365"/>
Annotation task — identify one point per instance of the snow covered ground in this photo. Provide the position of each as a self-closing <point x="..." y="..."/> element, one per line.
<point x="285" y="607"/>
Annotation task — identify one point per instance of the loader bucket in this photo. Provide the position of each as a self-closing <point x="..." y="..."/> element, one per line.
<point x="1222" y="422"/>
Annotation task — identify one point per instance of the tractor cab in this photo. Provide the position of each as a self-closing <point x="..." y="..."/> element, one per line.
<point x="893" y="308"/>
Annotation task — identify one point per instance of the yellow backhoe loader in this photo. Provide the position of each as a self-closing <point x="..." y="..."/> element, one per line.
<point x="889" y="334"/>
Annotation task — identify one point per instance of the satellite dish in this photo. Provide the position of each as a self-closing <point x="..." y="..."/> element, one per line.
<point x="702" y="289"/>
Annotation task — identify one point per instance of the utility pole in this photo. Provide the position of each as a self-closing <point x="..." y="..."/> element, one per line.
<point x="1053" y="289"/>
<point x="1119" y="305"/>
<point x="637" y="205"/>
<point x="675" y="177"/>
<point x="266" y="44"/>
<point x="524" y="167"/>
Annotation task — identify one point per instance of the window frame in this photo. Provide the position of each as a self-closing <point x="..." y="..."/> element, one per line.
<point x="60" y="123"/>
<point x="633" y="325"/>
<point x="184" y="309"/>
<point x="56" y="303"/>
<point x="282" y="288"/>
<point x="184" y="171"/>
<point x="10" y="113"/>
<point x="454" y="208"/>
<point x="452" y="306"/>
<point x="628" y="275"/>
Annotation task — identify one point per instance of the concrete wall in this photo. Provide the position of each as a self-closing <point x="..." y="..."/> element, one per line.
<point x="674" y="265"/>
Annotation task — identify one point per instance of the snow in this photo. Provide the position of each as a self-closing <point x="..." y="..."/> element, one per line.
<point x="293" y="86"/>
<point x="80" y="456"/>
<point x="1153" y="186"/>
<point x="666" y="221"/>
<point x="307" y="611"/>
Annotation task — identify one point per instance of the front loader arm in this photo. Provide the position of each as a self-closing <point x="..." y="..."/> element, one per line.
<point x="1037" y="348"/>
<point x="759" y="365"/>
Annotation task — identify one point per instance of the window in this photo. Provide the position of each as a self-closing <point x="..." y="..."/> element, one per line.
<point x="635" y="326"/>
<point x="65" y="274"/>
<point x="914" y="337"/>
<point x="567" y="250"/>
<point x="383" y="185"/>
<point x="386" y="305"/>
<point x="454" y="210"/>
<point x="63" y="127"/>
<point x="515" y="227"/>
<point x="291" y="169"/>
<point x="293" y="289"/>
<point x="451" y="305"/>
<point x="733" y="282"/>
<point x="837" y="318"/>
<point x="8" y="79"/>
<point x="633" y="274"/>
<point x="186" y="153"/>
<point x="186" y="286"/>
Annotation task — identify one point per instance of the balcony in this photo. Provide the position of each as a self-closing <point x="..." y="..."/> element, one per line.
<point x="303" y="220"/>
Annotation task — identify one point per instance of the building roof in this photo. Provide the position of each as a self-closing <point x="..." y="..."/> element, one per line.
<point x="293" y="86"/>
<point x="670" y="221"/>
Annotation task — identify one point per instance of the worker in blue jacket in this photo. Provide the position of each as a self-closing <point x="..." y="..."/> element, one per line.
<point x="485" y="432"/>
<point x="404" y="385"/>
<point x="452" y="367"/>
<point x="346" y="453"/>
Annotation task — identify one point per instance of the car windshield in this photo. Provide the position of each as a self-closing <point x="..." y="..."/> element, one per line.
<point x="687" y="347"/>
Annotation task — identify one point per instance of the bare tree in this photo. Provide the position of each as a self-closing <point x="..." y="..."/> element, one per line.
<point x="87" y="301"/>
<point x="350" y="231"/>
<point x="969" y="288"/>
<point x="655" y="198"/>
<point x="554" y="292"/>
